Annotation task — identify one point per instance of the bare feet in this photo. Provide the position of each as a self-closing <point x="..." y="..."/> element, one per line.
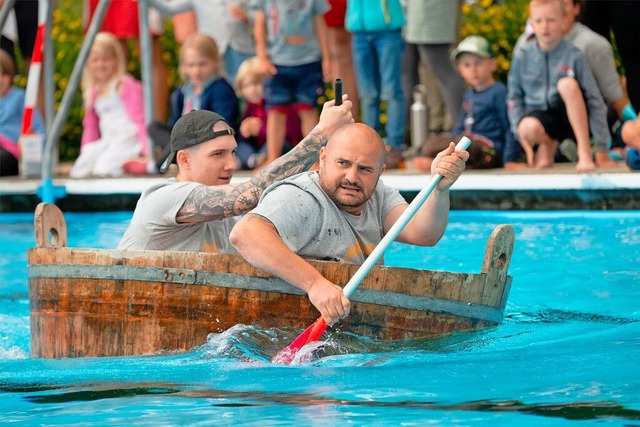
<point x="585" y="165"/>
<point x="515" y="166"/>
<point x="544" y="164"/>
<point x="604" y="161"/>
<point x="136" y="167"/>
<point x="585" y="159"/>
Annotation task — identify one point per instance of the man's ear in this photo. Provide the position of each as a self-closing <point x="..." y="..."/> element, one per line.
<point x="183" y="159"/>
<point x="323" y="154"/>
<point x="494" y="64"/>
<point x="382" y="168"/>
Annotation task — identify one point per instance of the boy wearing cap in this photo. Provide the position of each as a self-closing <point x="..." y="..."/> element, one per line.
<point x="196" y="210"/>
<point x="484" y="117"/>
<point x="553" y="94"/>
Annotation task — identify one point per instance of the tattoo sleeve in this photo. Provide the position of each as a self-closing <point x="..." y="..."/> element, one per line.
<point x="218" y="202"/>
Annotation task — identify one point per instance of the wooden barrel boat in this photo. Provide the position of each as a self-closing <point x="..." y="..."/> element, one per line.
<point x="100" y="302"/>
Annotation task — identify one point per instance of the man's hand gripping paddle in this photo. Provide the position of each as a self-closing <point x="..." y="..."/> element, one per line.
<point x="317" y="328"/>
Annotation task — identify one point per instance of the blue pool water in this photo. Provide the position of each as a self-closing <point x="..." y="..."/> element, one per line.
<point x="567" y="353"/>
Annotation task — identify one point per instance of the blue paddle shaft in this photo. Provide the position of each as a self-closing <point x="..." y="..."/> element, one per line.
<point x="399" y="225"/>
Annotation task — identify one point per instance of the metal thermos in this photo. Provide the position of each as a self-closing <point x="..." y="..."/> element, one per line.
<point x="419" y="128"/>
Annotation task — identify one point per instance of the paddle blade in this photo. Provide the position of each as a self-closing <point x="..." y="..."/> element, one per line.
<point x="312" y="333"/>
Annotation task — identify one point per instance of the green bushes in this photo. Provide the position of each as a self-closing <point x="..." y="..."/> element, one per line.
<point x="500" y="23"/>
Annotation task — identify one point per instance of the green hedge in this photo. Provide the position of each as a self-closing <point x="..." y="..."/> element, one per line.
<point x="501" y="23"/>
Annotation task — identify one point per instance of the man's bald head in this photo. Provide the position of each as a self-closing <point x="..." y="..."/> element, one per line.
<point x="358" y="133"/>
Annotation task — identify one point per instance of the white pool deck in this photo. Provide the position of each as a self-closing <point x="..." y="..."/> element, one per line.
<point x="560" y="180"/>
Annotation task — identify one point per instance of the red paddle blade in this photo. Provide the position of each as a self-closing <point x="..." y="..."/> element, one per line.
<point x="312" y="333"/>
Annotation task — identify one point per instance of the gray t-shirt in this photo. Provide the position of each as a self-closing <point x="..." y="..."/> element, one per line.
<point x="312" y="225"/>
<point x="287" y="20"/>
<point x="154" y="225"/>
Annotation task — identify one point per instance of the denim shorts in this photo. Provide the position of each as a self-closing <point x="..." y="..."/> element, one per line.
<point x="294" y="85"/>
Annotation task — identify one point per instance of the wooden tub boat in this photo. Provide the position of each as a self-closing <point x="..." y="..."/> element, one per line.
<point x="100" y="302"/>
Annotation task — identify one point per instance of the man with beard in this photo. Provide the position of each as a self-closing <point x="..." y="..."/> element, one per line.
<point x="340" y="213"/>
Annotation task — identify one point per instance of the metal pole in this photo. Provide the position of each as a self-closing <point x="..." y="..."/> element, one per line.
<point x="49" y="67"/>
<point x="69" y="93"/>
<point x="4" y="11"/>
<point x="147" y="79"/>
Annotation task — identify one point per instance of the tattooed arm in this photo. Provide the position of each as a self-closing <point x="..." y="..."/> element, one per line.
<point x="207" y="203"/>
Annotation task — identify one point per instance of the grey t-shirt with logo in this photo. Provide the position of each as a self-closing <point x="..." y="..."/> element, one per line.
<point x="313" y="226"/>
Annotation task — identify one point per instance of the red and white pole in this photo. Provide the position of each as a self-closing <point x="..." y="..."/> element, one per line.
<point x="31" y="144"/>
<point x="33" y="81"/>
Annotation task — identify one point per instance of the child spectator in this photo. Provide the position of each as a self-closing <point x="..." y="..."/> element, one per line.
<point x="122" y="20"/>
<point x="291" y="46"/>
<point x="598" y="53"/>
<point x="483" y="118"/>
<point x="114" y="128"/>
<point x="252" y="137"/>
<point x="11" y="108"/>
<point x="204" y="89"/>
<point x="378" y="49"/>
<point x="552" y="93"/>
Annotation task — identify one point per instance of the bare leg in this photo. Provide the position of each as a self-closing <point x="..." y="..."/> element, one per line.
<point x="276" y="131"/>
<point x="339" y="41"/>
<point x="531" y="133"/>
<point x="308" y="120"/>
<point x="546" y="154"/>
<point x="603" y="160"/>
<point x="573" y="99"/>
<point x="631" y="134"/>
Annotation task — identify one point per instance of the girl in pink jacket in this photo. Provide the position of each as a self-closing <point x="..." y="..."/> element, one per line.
<point x="114" y="127"/>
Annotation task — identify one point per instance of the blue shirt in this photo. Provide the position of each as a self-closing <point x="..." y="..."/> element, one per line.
<point x="11" y="110"/>
<point x="485" y="113"/>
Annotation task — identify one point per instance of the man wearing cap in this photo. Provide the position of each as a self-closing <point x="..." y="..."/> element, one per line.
<point x="196" y="210"/>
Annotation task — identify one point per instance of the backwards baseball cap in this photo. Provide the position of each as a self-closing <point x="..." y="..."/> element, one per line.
<point x="473" y="44"/>
<point x="192" y="129"/>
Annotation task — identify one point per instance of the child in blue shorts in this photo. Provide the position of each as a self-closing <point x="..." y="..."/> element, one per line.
<point x="290" y="45"/>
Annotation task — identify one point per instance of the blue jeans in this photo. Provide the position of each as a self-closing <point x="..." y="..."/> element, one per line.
<point x="377" y="56"/>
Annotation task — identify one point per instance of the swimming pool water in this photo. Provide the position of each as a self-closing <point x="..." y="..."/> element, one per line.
<point x="566" y="354"/>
